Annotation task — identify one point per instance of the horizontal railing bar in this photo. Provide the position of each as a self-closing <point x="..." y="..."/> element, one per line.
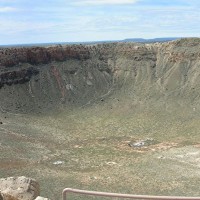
<point x="130" y="196"/>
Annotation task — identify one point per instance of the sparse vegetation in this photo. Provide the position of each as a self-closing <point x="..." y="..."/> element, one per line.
<point x="93" y="147"/>
<point x="79" y="129"/>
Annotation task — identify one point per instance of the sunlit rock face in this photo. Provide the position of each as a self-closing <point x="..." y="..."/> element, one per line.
<point x="19" y="188"/>
<point x="40" y="79"/>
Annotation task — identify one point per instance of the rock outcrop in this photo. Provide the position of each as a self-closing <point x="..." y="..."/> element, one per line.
<point x="7" y="197"/>
<point x="19" y="188"/>
<point x="10" y="57"/>
<point x="19" y="76"/>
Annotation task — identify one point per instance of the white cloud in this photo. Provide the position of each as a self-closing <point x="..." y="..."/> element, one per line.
<point x="13" y="27"/>
<point x="7" y="9"/>
<point x="104" y="2"/>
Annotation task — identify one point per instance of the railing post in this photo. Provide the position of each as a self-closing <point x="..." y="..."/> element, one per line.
<point x="64" y="193"/>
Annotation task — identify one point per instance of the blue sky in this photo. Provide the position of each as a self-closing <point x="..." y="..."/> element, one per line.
<point x="40" y="21"/>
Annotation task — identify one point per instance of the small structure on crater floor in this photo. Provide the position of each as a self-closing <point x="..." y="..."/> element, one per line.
<point x="142" y="143"/>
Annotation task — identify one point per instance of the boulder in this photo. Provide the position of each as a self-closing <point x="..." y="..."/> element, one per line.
<point x="7" y="197"/>
<point x="20" y="188"/>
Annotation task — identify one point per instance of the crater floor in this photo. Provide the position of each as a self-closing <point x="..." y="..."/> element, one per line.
<point x="89" y="149"/>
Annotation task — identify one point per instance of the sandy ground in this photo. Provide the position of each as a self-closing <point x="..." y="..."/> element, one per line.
<point x="93" y="149"/>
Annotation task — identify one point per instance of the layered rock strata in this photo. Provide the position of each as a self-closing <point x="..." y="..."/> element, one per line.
<point x="40" y="78"/>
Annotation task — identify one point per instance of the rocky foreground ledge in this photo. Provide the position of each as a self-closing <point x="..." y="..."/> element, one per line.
<point x="20" y="188"/>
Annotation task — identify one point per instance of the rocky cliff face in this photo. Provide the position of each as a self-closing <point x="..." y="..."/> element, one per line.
<point x="40" y="78"/>
<point x="10" y="57"/>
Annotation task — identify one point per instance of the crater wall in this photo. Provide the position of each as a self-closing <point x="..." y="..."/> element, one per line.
<point x="44" y="78"/>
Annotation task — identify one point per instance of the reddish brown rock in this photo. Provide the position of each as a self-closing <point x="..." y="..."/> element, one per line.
<point x="10" y="57"/>
<point x="7" y="197"/>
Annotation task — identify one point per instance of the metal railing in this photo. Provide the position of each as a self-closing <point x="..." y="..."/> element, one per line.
<point x="128" y="196"/>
